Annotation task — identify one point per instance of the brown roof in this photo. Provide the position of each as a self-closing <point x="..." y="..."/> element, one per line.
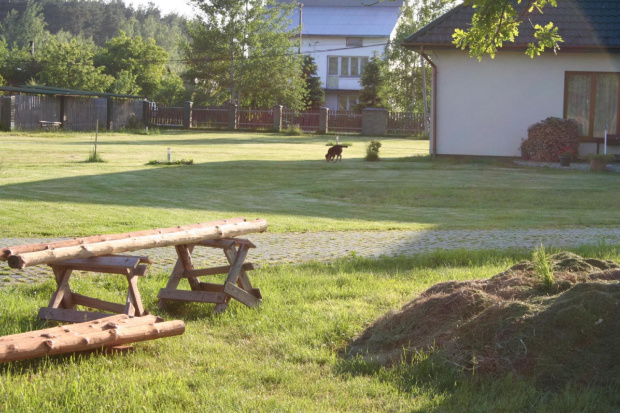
<point x="583" y="25"/>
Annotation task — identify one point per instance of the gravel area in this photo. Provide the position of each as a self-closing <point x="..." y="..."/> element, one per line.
<point x="580" y="166"/>
<point x="277" y="248"/>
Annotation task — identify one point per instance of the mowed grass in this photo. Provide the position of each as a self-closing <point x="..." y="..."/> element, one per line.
<point x="289" y="355"/>
<point x="47" y="189"/>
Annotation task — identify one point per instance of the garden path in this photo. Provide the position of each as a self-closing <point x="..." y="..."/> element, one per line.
<point x="278" y="248"/>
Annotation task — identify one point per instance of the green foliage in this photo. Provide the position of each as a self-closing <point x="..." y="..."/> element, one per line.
<point x="19" y="29"/>
<point x="372" y="151"/>
<point x="94" y="157"/>
<point x="497" y="21"/>
<point x="374" y="86"/>
<point x="170" y="91"/>
<point x="315" y="97"/>
<point x="140" y="63"/>
<point x="543" y="266"/>
<point x="70" y="65"/>
<point x="404" y="77"/>
<point x="293" y="130"/>
<point x="600" y="156"/>
<point x="241" y="51"/>
<point x="177" y="162"/>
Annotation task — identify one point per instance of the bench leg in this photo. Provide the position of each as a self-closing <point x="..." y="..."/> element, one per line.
<point x="62" y="298"/>
<point x="233" y="274"/>
<point x="134" y="300"/>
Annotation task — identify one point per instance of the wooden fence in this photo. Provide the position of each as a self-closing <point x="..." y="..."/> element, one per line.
<point x="308" y="121"/>
<point x="345" y="121"/>
<point x="29" y="110"/>
<point x="248" y="118"/>
<point x="405" y="124"/>
<point x="211" y="117"/>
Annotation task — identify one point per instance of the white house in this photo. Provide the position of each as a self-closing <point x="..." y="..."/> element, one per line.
<point x="342" y="35"/>
<point x="485" y="108"/>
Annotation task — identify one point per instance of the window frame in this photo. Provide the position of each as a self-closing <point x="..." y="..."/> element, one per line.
<point x="592" y="101"/>
<point x="362" y="61"/>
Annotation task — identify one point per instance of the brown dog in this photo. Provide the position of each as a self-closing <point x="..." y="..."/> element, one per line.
<point x="334" y="154"/>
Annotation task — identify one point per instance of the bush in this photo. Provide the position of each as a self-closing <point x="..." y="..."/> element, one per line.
<point x="293" y="130"/>
<point x="372" y="151"/>
<point x="546" y="139"/>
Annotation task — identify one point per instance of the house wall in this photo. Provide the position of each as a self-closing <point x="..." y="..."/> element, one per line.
<point x="484" y="108"/>
<point x="321" y="47"/>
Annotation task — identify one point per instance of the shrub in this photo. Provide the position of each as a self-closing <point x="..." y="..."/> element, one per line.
<point x="293" y="130"/>
<point x="372" y="151"/>
<point x="543" y="266"/>
<point x="94" y="157"/>
<point x="546" y="139"/>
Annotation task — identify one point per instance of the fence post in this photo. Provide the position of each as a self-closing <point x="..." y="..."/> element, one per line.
<point x="7" y="117"/>
<point x="232" y="116"/>
<point x="324" y="120"/>
<point x="146" y="114"/>
<point x="187" y="114"/>
<point x="277" y="118"/>
<point x="374" y="121"/>
<point x="109" y="113"/>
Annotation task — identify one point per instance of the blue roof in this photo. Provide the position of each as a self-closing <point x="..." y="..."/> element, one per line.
<point x="347" y="20"/>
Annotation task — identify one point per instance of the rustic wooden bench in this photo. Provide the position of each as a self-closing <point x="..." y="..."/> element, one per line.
<point x="100" y="254"/>
<point x="49" y="125"/>
<point x="62" y="305"/>
<point x="237" y="284"/>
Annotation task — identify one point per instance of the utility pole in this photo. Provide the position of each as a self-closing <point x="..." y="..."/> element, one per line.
<point x="301" y="6"/>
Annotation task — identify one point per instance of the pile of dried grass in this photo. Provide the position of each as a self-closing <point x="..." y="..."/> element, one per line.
<point x="511" y="323"/>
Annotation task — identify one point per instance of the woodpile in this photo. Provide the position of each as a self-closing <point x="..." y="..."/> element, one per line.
<point x="102" y="333"/>
<point x="547" y="138"/>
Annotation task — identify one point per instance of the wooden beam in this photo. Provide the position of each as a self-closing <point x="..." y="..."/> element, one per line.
<point x="98" y="304"/>
<point x="215" y="270"/>
<point x="6" y="252"/>
<point x="241" y="295"/>
<point x="197" y="296"/>
<point x="69" y="316"/>
<point x="136" y="243"/>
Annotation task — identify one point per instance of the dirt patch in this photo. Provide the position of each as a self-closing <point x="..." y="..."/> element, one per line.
<point x="511" y="323"/>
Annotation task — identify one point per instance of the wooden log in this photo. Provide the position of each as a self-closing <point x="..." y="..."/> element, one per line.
<point x="6" y="252"/>
<point x="105" y="337"/>
<point x="241" y="295"/>
<point x="136" y="243"/>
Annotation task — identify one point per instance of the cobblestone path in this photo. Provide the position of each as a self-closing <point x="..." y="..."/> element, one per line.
<point x="324" y="246"/>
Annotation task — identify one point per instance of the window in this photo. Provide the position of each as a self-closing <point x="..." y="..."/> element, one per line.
<point x="354" y="42"/>
<point x="346" y="66"/>
<point x="346" y="102"/>
<point x="592" y="100"/>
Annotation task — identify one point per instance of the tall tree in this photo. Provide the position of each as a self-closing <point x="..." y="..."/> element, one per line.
<point x="315" y="95"/>
<point x="406" y="69"/>
<point x="18" y="30"/>
<point x="134" y="59"/>
<point x="241" y="49"/>
<point x="70" y="65"/>
<point x="374" y="87"/>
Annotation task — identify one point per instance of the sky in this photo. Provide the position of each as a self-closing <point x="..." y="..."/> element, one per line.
<point x="166" y="6"/>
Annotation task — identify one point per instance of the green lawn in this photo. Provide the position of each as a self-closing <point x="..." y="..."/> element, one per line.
<point x="285" y="356"/>
<point x="46" y="188"/>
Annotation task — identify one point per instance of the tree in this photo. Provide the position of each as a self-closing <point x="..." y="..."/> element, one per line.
<point x="497" y="21"/>
<point x="134" y="60"/>
<point x="70" y="65"/>
<point x="241" y="50"/>
<point x="407" y="71"/>
<point x="315" y="95"/>
<point x="374" y="92"/>
<point x="17" y="66"/>
<point x="19" y="30"/>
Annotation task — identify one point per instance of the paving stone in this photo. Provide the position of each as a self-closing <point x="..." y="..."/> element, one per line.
<point x="279" y="248"/>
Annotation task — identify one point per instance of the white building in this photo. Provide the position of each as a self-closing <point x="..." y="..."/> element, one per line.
<point x="342" y="35"/>
<point x="485" y="108"/>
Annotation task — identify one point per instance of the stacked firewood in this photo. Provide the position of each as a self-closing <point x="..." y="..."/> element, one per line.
<point x="547" y="139"/>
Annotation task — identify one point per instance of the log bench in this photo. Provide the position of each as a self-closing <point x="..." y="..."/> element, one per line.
<point x="101" y="254"/>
